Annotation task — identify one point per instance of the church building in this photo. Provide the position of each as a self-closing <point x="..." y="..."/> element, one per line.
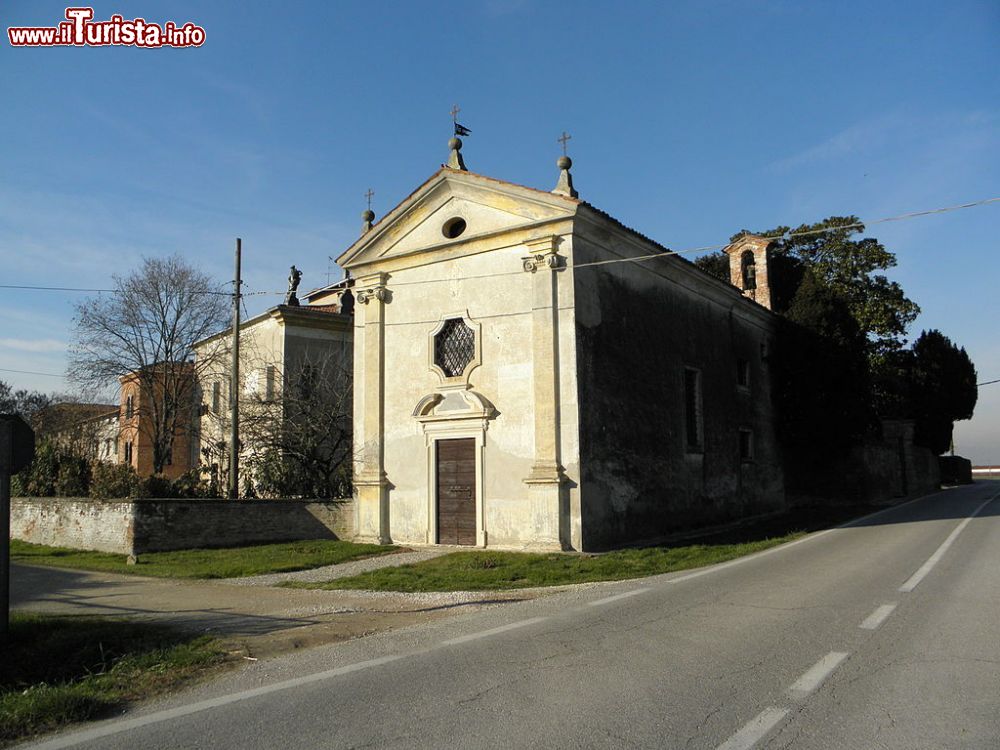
<point x="531" y="373"/>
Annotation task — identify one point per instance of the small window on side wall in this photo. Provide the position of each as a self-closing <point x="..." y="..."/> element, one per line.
<point x="743" y="373"/>
<point x="269" y="375"/>
<point x="693" y="438"/>
<point x="746" y="445"/>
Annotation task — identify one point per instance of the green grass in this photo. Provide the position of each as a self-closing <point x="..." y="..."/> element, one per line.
<point x="486" y="570"/>
<point x="229" y="562"/>
<point x="482" y="570"/>
<point x="60" y="670"/>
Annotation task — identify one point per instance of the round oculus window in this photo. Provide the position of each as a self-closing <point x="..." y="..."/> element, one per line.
<point x="453" y="227"/>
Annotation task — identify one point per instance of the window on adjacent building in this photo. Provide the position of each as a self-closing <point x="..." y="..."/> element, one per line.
<point x="746" y="445"/>
<point x="216" y="397"/>
<point x="168" y="459"/>
<point x="128" y="451"/>
<point x="307" y="382"/>
<point x="128" y="407"/>
<point x="743" y="373"/>
<point x="692" y="410"/>
<point x="269" y="383"/>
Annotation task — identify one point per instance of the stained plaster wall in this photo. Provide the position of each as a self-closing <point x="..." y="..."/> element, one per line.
<point x="149" y="525"/>
<point x="265" y="342"/>
<point x="638" y="326"/>
<point x="500" y="301"/>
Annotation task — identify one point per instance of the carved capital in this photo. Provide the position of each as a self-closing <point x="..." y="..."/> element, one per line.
<point x="364" y="296"/>
<point x="533" y="262"/>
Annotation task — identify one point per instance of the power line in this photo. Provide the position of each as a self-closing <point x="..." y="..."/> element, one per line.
<point x="82" y="289"/>
<point x="988" y="382"/>
<point x="31" y="372"/>
<point x="53" y="288"/>
<point x="705" y="248"/>
<point x="635" y="259"/>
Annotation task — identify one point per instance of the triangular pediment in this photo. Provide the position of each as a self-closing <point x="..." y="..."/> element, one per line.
<point x="487" y="207"/>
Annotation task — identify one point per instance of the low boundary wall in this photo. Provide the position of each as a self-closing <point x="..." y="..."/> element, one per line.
<point x="132" y="527"/>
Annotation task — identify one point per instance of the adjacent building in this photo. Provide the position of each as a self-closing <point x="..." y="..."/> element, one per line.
<point x="289" y="355"/>
<point x="159" y="401"/>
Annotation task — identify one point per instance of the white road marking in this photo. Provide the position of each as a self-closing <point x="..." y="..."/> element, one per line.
<point x="117" y="727"/>
<point x="933" y="560"/>
<point x="817" y="675"/>
<point x="877" y="617"/>
<point x="616" y="597"/>
<point x="754" y="730"/>
<point x="493" y="631"/>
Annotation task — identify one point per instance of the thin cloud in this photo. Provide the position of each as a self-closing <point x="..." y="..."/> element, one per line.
<point x="855" y="139"/>
<point x="34" y="345"/>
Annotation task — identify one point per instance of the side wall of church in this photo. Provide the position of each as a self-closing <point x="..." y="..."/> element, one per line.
<point x="661" y="351"/>
<point x="494" y="293"/>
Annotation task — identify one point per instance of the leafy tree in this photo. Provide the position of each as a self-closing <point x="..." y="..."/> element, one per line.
<point x="943" y="388"/>
<point x="820" y="376"/>
<point x="24" y="402"/>
<point x="714" y="264"/>
<point x="146" y="330"/>
<point x="53" y="472"/>
<point x="112" y="481"/>
<point x="848" y="265"/>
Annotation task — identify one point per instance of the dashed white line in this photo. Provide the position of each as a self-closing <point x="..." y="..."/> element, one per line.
<point x="493" y="631"/>
<point x="816" y="676"/>
<point x="754" y="730"/>
<point x="877" y="617"/>
<point x="616" y="597"/>
<point x="933" y="560"/>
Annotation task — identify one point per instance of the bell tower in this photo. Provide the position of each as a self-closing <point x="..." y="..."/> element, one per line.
<point x="749" y="267"/>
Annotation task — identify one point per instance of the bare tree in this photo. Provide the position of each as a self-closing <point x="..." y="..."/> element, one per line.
<point x="297" y="438"/>
<point x="143" y="337"/>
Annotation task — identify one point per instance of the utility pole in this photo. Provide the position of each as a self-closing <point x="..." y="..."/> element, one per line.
<point x="234" y="386"/>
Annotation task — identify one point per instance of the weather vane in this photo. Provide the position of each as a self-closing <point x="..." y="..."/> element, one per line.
<point x="562" y="139"/>
<point x="459" y="128"/>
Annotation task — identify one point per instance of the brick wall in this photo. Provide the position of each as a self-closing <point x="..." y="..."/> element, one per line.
<point x="78" y="523"/>
<point x="152" y="525"/>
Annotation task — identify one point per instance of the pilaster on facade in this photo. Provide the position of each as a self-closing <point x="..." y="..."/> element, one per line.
<point x="547" y="477"/>
<point x="372" y="483"/>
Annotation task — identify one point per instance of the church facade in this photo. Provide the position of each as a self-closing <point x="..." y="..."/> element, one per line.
<point x="529" y="373"/>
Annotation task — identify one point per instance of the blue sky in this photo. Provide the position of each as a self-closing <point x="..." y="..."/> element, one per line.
<point x="689" y="121"/>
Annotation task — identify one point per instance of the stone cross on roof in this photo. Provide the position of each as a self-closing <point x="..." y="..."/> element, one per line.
<point x="563" y="139"/>
<point x="565" y="184"/>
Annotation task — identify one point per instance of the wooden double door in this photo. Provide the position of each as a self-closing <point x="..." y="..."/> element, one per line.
<point x="456" y="491"/>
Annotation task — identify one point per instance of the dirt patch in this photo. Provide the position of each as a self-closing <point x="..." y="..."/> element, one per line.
<point x="256" y="622"/>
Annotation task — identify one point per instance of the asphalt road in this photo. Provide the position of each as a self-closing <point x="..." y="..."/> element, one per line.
<point x="883" y="634"/>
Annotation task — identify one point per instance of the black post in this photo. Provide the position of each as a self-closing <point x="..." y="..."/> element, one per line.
<point x="17" y="448"/>
<point x="4" y="552"/>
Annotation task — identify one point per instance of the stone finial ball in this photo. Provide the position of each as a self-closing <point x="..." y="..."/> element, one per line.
<point x="564" y="162"/>
<point x="368" y="215"/>
<point x="455" y="144"/>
